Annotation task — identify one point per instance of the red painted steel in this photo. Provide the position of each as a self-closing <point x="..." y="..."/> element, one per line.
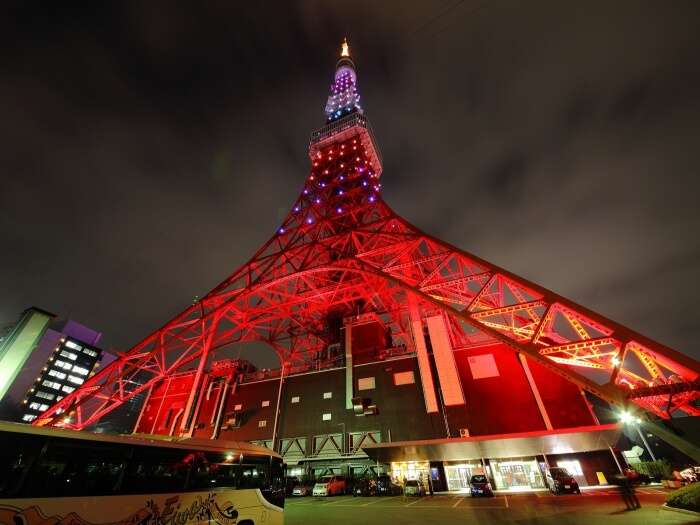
<point x="342" y="251"/>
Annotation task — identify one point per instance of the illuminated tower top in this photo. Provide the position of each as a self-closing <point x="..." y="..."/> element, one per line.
<point x="344" y="98"/>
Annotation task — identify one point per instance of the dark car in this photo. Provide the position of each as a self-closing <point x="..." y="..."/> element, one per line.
<point x="560" y="481"/>
<point x="386" y="487"/>
<point x="479" y="486"/>
<point x="364" y="487"/>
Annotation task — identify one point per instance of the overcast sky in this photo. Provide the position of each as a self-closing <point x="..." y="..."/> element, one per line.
<point x="147" y="149"/>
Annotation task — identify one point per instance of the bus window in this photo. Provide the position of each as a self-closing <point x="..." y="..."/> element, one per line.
<point x="210" y="470"/>
<point x="254" y="472"/>
<point x="76" y="468"/>
<point x="16" y="458"/>
<point x="156" y="470"/>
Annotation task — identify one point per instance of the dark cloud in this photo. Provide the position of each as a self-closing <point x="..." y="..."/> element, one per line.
<point x="148" y="149"/>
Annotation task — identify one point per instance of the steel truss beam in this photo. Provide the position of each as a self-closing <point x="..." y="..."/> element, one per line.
<point x="342" y="250"/>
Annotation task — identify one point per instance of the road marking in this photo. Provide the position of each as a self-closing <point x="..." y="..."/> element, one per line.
<point x="412" y="503"/>
<point x="457" y="502"/>
<point x="334" y="502"/>
<point x="379" y="500"/>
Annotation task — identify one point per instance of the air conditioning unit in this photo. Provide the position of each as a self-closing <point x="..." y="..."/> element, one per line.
<point x="464" y="432"/>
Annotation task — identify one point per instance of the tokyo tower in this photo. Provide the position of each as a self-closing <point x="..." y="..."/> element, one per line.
<point x="341" y="252"/>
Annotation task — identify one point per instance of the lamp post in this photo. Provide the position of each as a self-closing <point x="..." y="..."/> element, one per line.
<point x="630" y="419"/>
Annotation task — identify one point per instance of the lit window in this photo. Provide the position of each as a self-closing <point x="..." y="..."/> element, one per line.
<point x="51" y="384"/>
<point x="45" y="395"/>
<point x="365" y="383"/>
<point x="59" y="398"/>
<point x="573" y="466"/>
<point x="76" y="380"/>
<point x="262" y="423"/>
<point x="327" y="395"/>
<point x="266" y="403"/>
<point x="80" y="370"/>
<point x="89" y="352"/>
<point x="69" y="355"/>
<point x="57" y="374"/>
<point x="238" y="408"/>
<point x="327" y="416"/>
<point x="34" y="406"/>
<point x="28" y="417"/>
<point x="295" y="399"/>
<point x="63" y="364"/>
<point x="404" y="378"/>
<point x="67" y="389"/>
<point x="74" y="346"/>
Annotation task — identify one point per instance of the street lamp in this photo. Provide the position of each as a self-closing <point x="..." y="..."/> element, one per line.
<point x="627" y="418"/>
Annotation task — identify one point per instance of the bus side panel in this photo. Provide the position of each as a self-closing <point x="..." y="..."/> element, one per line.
<point x="224" y="507"/>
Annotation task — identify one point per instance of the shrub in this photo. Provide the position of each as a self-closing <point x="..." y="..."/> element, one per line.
<point x="659" y="469"/>
<point x="687" y="497"/>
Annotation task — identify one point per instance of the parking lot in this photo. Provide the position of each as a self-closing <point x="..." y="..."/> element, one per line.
<point x="591" y="506"/>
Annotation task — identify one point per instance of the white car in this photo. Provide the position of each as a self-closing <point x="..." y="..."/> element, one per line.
<point x="329" y="486"/>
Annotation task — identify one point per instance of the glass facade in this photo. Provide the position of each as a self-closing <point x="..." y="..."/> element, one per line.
<point x="458" y="475"/>
<point x="520" y="473"/>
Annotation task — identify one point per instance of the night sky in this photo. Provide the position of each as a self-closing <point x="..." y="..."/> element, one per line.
<point x="149" y="148"/>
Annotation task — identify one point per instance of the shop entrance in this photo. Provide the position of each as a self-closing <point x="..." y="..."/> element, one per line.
<point x="458" y="476"/>
<point x="517" y="474"/>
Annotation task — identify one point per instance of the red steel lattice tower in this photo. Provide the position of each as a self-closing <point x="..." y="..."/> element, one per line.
<point x="342" y="251"/>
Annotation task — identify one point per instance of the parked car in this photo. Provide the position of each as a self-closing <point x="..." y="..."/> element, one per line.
<point x="413" y="487"/>
<point x="289" y="484"/>
<point x="560" y="480"/>
<point x="301" y="490"/>
<point x="690" y="474"/>
<point x="479" y="485"/>
<point x="386" y="487"/>
<point x="364" y="487"/>
<point x="329" y="486"/>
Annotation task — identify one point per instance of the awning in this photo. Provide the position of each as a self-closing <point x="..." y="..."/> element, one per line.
<point x="561" y="441"/>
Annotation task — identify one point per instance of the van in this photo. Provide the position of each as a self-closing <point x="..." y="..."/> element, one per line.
<point x="329" y="486"/>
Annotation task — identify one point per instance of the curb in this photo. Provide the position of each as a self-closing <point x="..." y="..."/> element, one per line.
<point x="681" y="511"/>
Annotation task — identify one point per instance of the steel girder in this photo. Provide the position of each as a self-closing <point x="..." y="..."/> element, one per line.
<point x="342" y="250"/>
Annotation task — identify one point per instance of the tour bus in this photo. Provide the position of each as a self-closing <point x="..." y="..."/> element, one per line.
<point x="50" y="475"/>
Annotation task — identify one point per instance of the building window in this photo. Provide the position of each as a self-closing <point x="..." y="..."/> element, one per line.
<point x="51" y="384"/>
<point x="404" y="378"/>
<point x="67" y="389"/>
<point x="69" y="355"/>
<point x="80" y="370"/>
<point x="483" y="366"/>
<point x="45" y="395"/>
<point x="365" y="383"/>
<point x="89" y="352"/>
<point x="63" y="364"/>
<point x="76" y="380"/>
<point x="39" y="407"/>
<point x="262" y="423"/>
<point x="266" y="403"/>
<point x="74" y="346"/>
<point x="327" y="395"/>
<point x="327" y="416"/>
<point x="238" y="408"/>
<point x="295" y="399"/>
<point x="57" y="374"/>
<point x="28" y="417"/>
